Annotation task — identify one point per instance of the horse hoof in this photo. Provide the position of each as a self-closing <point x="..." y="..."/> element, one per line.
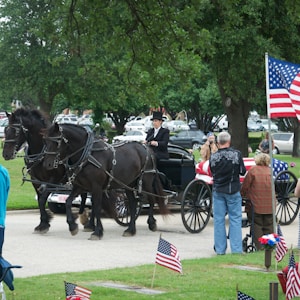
<point x="74" y="232"/>
<point x="41" y="230"/>
<point x="88" y="229"/>
<point x="128" y="233"/>
<point x="153" y="227"/>
<point x="94" y="237"/>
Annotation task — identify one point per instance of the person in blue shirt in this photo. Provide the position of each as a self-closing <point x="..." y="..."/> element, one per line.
<point x="4" y="190"/>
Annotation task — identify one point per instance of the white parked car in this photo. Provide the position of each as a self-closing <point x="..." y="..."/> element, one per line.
<point x="176" y="125"/>
<point x="265" y="124"/>
<point x="3" y="124"/>
<point x="283" y="142"/>
<point x="135" y="125"/>
<point x="132" y="135"/>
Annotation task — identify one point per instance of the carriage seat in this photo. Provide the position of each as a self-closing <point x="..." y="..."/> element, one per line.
<point x="179" y="170"/>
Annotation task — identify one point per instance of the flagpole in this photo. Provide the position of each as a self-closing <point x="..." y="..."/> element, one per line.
<point x="276" y="262"/>
<point x="270" y="142"/>
<point x="154" y="271"/>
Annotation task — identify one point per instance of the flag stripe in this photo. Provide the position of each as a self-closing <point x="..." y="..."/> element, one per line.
<point x="83" y="291"/>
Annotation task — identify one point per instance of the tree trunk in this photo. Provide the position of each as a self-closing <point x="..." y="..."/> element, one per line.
<point x="237" y="127"/>
<point x="237" y="115"/>
<point x="45" y="107"/>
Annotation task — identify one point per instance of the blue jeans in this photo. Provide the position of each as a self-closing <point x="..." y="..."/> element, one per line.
<point x="232" y="205"/>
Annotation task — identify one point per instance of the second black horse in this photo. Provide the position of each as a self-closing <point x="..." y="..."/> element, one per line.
<point x="99" y="167"/>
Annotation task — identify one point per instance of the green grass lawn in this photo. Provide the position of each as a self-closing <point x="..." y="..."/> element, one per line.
<point x="208" y="278"/>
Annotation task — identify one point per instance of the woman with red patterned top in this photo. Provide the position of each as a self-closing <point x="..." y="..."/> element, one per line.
<point x="257" y="188"/>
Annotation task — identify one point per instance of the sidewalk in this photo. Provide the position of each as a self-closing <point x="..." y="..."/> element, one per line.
<point x="58" y="251"/>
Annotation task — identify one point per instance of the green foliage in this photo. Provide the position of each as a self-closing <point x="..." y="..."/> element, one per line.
<point x="254" y="142"/>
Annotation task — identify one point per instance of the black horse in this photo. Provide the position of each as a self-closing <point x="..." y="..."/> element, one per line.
<point x="99" y="167"/>
<point x="25" y="126"/>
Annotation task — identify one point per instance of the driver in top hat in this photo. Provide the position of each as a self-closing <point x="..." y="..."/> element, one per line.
<point x="158" y="137"/>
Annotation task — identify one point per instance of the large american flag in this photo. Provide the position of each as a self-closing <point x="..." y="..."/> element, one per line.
<point x="167" y="256"/>
<point x="283" y="89"/>
<point x="76" y="292"/>
<point x="242" y="296"/>
<point x="293" y="280"/>
<point x="281" y="247"/>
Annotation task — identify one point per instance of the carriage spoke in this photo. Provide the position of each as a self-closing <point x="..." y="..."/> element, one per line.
<point x="287" y="203"/>
<point x="196" y="206"/>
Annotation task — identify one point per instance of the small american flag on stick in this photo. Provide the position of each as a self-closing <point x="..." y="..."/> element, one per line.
<point x="281" y="247"/>
<point x="76" y="292"/>
<point x="293" y="280"/>
<point x="167" y="256"/>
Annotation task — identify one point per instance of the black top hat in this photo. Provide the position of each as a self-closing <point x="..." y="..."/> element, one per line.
<point x="157" y="115"/>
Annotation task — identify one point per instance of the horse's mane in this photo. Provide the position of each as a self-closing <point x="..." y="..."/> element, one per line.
<point x="32" y="115"/>
<point x="71" y="127"/>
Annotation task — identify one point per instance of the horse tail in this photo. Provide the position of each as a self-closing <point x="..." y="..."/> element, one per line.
<point x="161" y="198"/>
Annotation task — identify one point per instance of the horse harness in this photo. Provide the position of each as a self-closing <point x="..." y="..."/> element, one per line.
<point x="87" y="157"/>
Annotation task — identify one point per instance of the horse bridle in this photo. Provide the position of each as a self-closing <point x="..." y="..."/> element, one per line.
<point x="61" y="138"/>
<point x="29" y="159"/>
<point x="18" y="129"/>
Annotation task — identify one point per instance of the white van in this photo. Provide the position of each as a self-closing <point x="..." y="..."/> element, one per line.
<point x="222" y="123"/>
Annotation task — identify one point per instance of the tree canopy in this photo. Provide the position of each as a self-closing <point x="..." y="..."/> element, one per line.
<point x="123" y="57"/>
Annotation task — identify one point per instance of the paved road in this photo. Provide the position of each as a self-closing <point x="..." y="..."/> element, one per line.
<point x="58" y="251"/>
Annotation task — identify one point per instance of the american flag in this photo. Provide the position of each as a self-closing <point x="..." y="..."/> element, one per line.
<point x="242" y="296"/>
<point x="293" y="280"/>
<point x="281" y="247"/>
<point x="167" y="256"/>
<point x="76" y="292"/>
<point x="284" y="89"/>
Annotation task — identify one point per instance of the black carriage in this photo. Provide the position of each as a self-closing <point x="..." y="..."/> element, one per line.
<point x="191" y="196"/>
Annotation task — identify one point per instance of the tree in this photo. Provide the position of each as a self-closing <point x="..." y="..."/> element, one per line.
<point x="123" y="56"/>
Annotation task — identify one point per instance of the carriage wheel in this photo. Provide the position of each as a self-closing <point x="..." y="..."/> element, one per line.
<point x="122" y="210"/>
<point x="250" y="248"/>
<point x="287" y="204"/>
<point x="196" y="206"/>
